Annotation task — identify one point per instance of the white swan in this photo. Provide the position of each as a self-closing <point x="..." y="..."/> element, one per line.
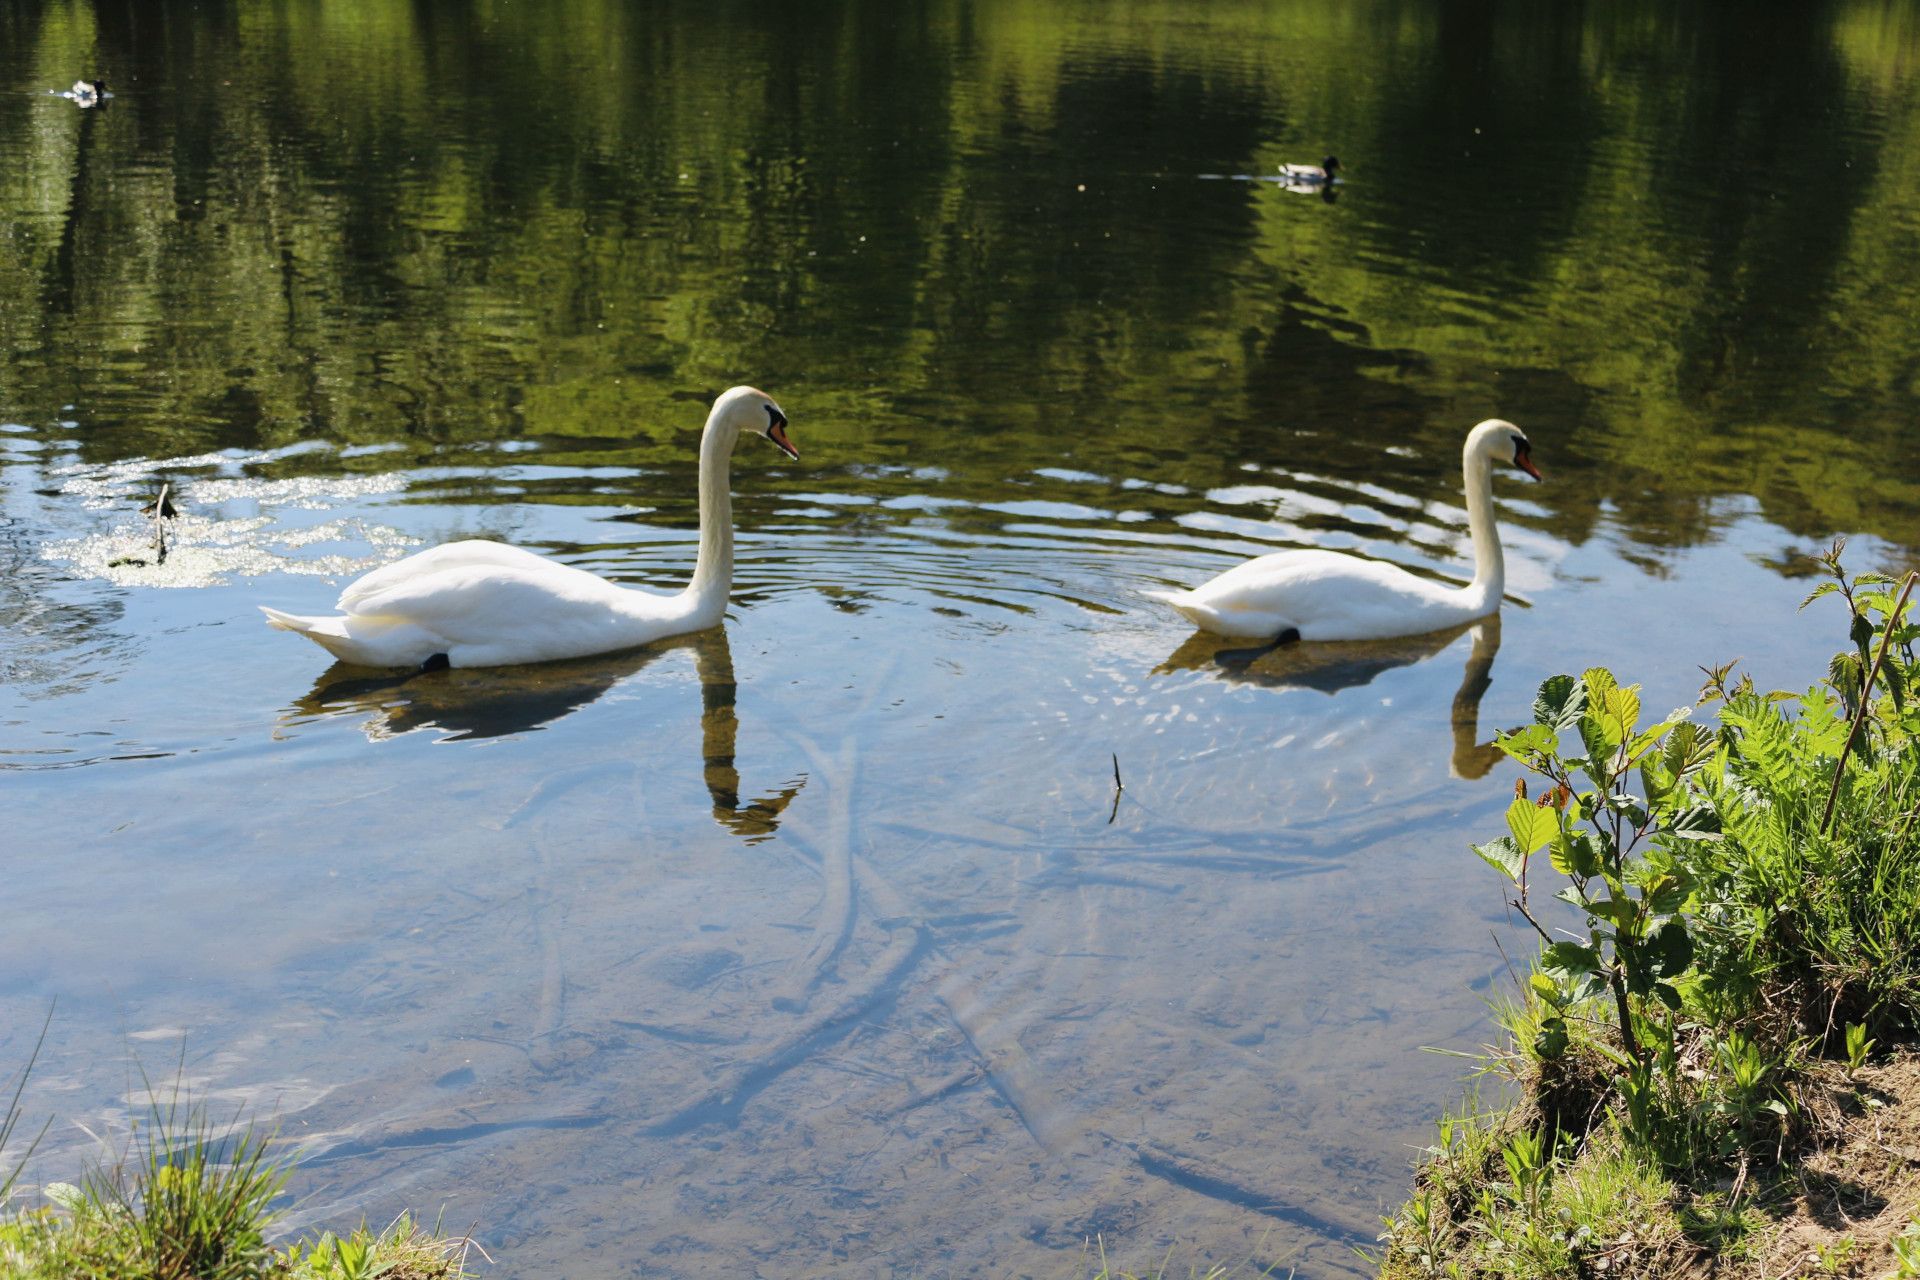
<point x="1328" y="595"/>
<point x="486" y="604"/>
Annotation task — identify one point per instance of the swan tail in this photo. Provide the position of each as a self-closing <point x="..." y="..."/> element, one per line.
<point x="280" y="621"/>
<point x="370" y="642"/>
<point x="1187" y="607"/>
<point x="329" y="633"/>
<point x="1241" y="624"/>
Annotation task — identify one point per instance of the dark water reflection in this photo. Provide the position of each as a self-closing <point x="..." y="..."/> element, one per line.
<point x="820" y="945"/>
<point x="1333" y="666"/>
<point x="509" y="701"/>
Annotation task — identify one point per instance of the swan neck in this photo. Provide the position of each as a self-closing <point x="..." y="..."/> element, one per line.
<point x="1489" y="565"/>
<point x="713" y="569"/>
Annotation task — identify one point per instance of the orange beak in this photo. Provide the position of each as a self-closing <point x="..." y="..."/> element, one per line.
<point x="1524" y="461"/>
<point x="778" y="434"/>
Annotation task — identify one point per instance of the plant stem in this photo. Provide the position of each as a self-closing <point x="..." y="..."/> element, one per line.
<point x="1866" y="691"/>
<point x="1619" y="986"/>
<point x="1521" y="907"/>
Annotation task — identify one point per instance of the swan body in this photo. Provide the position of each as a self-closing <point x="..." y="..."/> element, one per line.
<point x="87" y="92"/>
<point x="486" y="604"/>
<point x="1329" y="595"/>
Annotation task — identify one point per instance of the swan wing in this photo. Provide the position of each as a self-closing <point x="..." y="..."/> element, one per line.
<point x="473" y="553"/>
<point x="494" y="615"/>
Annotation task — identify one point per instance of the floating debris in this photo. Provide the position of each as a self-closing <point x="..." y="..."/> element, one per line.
<point x="205" y="552"/>
<point x="173" y="545"/>
<point x="160" y="510"/>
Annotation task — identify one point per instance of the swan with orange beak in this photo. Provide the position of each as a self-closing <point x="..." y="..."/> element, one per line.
<point x="1315" y="594"/>
<point x="486" y="604"/>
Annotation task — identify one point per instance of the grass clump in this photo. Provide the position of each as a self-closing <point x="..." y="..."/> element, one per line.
<point x="1746" y="899"/>
<point x="1096" y="1254"/>
<point x="195" y="1201"/>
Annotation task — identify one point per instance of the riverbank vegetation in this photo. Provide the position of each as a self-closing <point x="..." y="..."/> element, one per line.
<point x="190" y="1200"/>
<point x="1713" y="1053"/>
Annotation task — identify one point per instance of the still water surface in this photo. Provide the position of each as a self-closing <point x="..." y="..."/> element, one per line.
<point x="818" y="945"/>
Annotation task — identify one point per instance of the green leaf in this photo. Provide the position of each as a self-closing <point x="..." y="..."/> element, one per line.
<point x="1532" y="824"/>
<point x="1677" y="752"/>
<point x="1667" y="895"/>
<point x="1846" y="673"/>
<point x="1667" y="994"/>
<point x="1655" y="780"/>
<point x="1528" y="741"/>
<point x="1620" y="713"/>
<point x="1573" y="853"/>
<point x="1600" y="749"/>
<point x="1570" y="958"/>
<point x="1544" y="987"/>
<point x="1628" y="807"/>
<point x="1619" y="912"/>
<point x="1504" y="856"/>
<point x="1671" y="948"/>
<point x="1558" y="704"/>
<point x="1552" y="1040"/>
<point x="1610" y="715"/>
<point x="1824" y="589"/>
<point x="1695" y="822"/>
<point x="1639" y="977"/>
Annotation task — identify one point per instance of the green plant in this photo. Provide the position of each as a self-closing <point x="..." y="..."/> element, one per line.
<point x="402" y="1251"/>
<point x="354" y="1258"/>
<point x="1527" y="1167"/>
<point x="1616" y="848"/>
<point x="1834" y="1256"/>
<point x="1811" y="902"/>
<point x="1747" y="893"/>
<point x="10" y="1121"/>
<point x="1419" y="1233"/>
<point x="1906" y="1253"/>
<point x="1858" y="1047"/>
<point x="191" y="1203"/>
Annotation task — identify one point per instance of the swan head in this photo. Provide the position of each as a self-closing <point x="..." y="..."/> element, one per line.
<point x="1498" y="439"/>
<point x="744" y="410"/>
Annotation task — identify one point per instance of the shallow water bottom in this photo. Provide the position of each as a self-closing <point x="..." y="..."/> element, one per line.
<point x="817" y="945"/>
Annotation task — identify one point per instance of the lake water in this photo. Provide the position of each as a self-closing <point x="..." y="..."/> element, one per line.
<point x="819" y="946"/>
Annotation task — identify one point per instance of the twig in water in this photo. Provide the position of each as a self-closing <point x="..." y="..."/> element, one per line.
<point x="162" y="508"/>
<point x="1118" y="787"/>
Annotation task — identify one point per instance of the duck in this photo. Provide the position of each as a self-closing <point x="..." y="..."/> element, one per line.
<point x="1315" y="594"/>
<point x="477" y="603"/>
<point x="1310" y="175"/>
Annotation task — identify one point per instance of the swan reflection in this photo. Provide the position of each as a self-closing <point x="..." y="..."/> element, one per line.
<point x="491" y="702"/>
<point x="719" y="729"/>
<point x="1330" y="666"/>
